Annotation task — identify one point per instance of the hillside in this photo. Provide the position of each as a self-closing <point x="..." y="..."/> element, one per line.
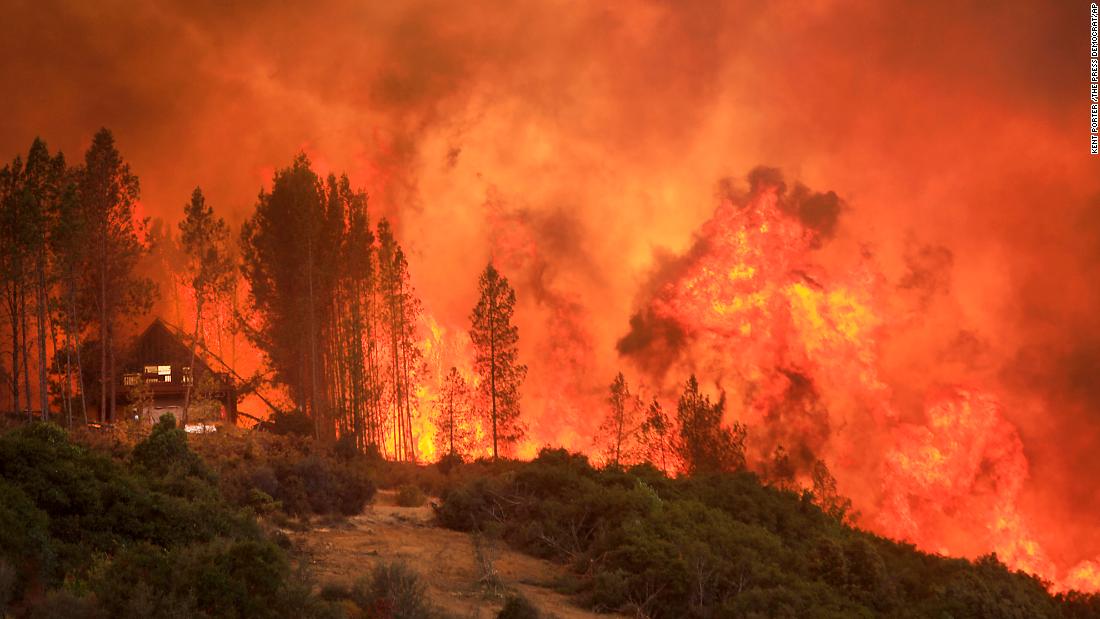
<point x="257" y="525"/>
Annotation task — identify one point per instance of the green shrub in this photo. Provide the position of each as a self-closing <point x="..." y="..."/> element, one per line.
<point x="301" y="476"/>
<point x="393" y="591"/>
<point x="518" y="607"/>
<point x="289" y="422"/>
<point x="59" y="603"/>
<point x="410" y="495"/>
<point x="726" y="545"/>
<point x="165" y="452"/>
<point x="139" y="538"/>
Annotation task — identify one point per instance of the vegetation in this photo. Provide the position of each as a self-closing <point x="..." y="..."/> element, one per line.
<point x="88" y="535"/>
<point x="496" y="354"/>
<point x="410" y="495"/>
<point x="724" y="544"/>
<point x="454" y="415"/>
<point x="290" y="475"/>
<point x="211" y="270"/>
<point x="334" y="310"/>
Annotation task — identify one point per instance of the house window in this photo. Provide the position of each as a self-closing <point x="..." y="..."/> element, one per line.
<point x="187" y="378"/>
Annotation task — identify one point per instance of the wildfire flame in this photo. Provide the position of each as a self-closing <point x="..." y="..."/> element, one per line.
<point x="797" y="347"/>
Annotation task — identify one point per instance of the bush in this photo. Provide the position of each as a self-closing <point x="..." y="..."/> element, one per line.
<point x="165" y="452"/>
<point x="409" y="495"/>
<point x="289" y="423"/>
<point x="63" y="603"/>
<point x="518" y="607"/>
<point x="139" y="539"/>
<point x="393" y="591"/>
<point x="726" y="545"/>
<point x="300" y="476"/>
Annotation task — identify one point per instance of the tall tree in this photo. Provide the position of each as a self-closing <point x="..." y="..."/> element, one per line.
<point x="496" y="357"/>
<point x="705" y="445"/>
<point x="210" y="269"/>
<point x="108" y="194"/>
<point x="359" y="262"/>
<point x="16" y="236"/>
<point x="400" y="310"/>
<point x="617" y="435"/>
<point x="288" y="261"/>
<point x="31" y="196"/>
<point x="43" y="188"/>
<point x="69" y="242"/>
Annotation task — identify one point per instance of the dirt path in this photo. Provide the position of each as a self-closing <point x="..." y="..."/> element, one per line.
<point x="447" y="560"/>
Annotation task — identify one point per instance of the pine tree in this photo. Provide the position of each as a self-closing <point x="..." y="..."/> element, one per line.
<point x="43" y="187"/>
<point x="16" y="237"/>
<point x="453" y="431"/>
<point x="69" y="242"/>
<point x="400" y="311"/>
<point x="496" y="345"/>
<point x="210" y="270"/>
<point x="658" y="439"/>
<point x="287" y="261"/>
<point x="618" y="432"/>
<point x="359" y="263"/>
<point x="826" y="495"/>
<point x="705" y="445"/>
<point x="108" y="194"/>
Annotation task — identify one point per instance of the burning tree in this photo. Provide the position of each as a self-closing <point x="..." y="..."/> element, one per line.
<point x="496" y="341"/>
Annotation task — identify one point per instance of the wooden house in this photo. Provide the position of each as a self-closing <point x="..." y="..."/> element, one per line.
<point x="157" y="375"/>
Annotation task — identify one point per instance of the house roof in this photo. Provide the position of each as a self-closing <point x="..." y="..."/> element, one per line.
<point x="161" y="344"/>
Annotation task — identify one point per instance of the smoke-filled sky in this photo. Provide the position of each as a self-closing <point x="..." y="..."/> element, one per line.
<point x="581" y="142"/>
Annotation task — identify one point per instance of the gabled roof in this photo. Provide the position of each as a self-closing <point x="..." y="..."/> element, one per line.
<point x="161" y="344"/>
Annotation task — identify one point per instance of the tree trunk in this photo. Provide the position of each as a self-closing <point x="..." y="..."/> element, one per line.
<point x="13" y="313"/>
<point x="105" y="415"/>
<point x="194" y="345"/>
<point x="74" y="337"/>
<point x="312" y="343"/>
<point x="493" y="366"/>
<point x="111" y="376"/>
<point x="44" y="395"/>
<point x="26" y="353"/>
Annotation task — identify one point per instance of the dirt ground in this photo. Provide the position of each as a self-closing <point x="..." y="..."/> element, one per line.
<point x="458" y="580"/>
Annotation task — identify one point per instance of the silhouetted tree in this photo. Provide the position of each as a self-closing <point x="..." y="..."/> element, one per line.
<point x="496" y="348"/>
<point x="287" y="261"/>
<point x="210" y="270"/>
<point x="617" y="433"/>
<point x="705" y="445"/>
<point x="826" y="494"/>
<point x="780" y="471"/>
<point x="108" y="194"/>
<point x="658" y="439"/>
<point x="400" y="311"/>
<point x="453" y="431"/>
